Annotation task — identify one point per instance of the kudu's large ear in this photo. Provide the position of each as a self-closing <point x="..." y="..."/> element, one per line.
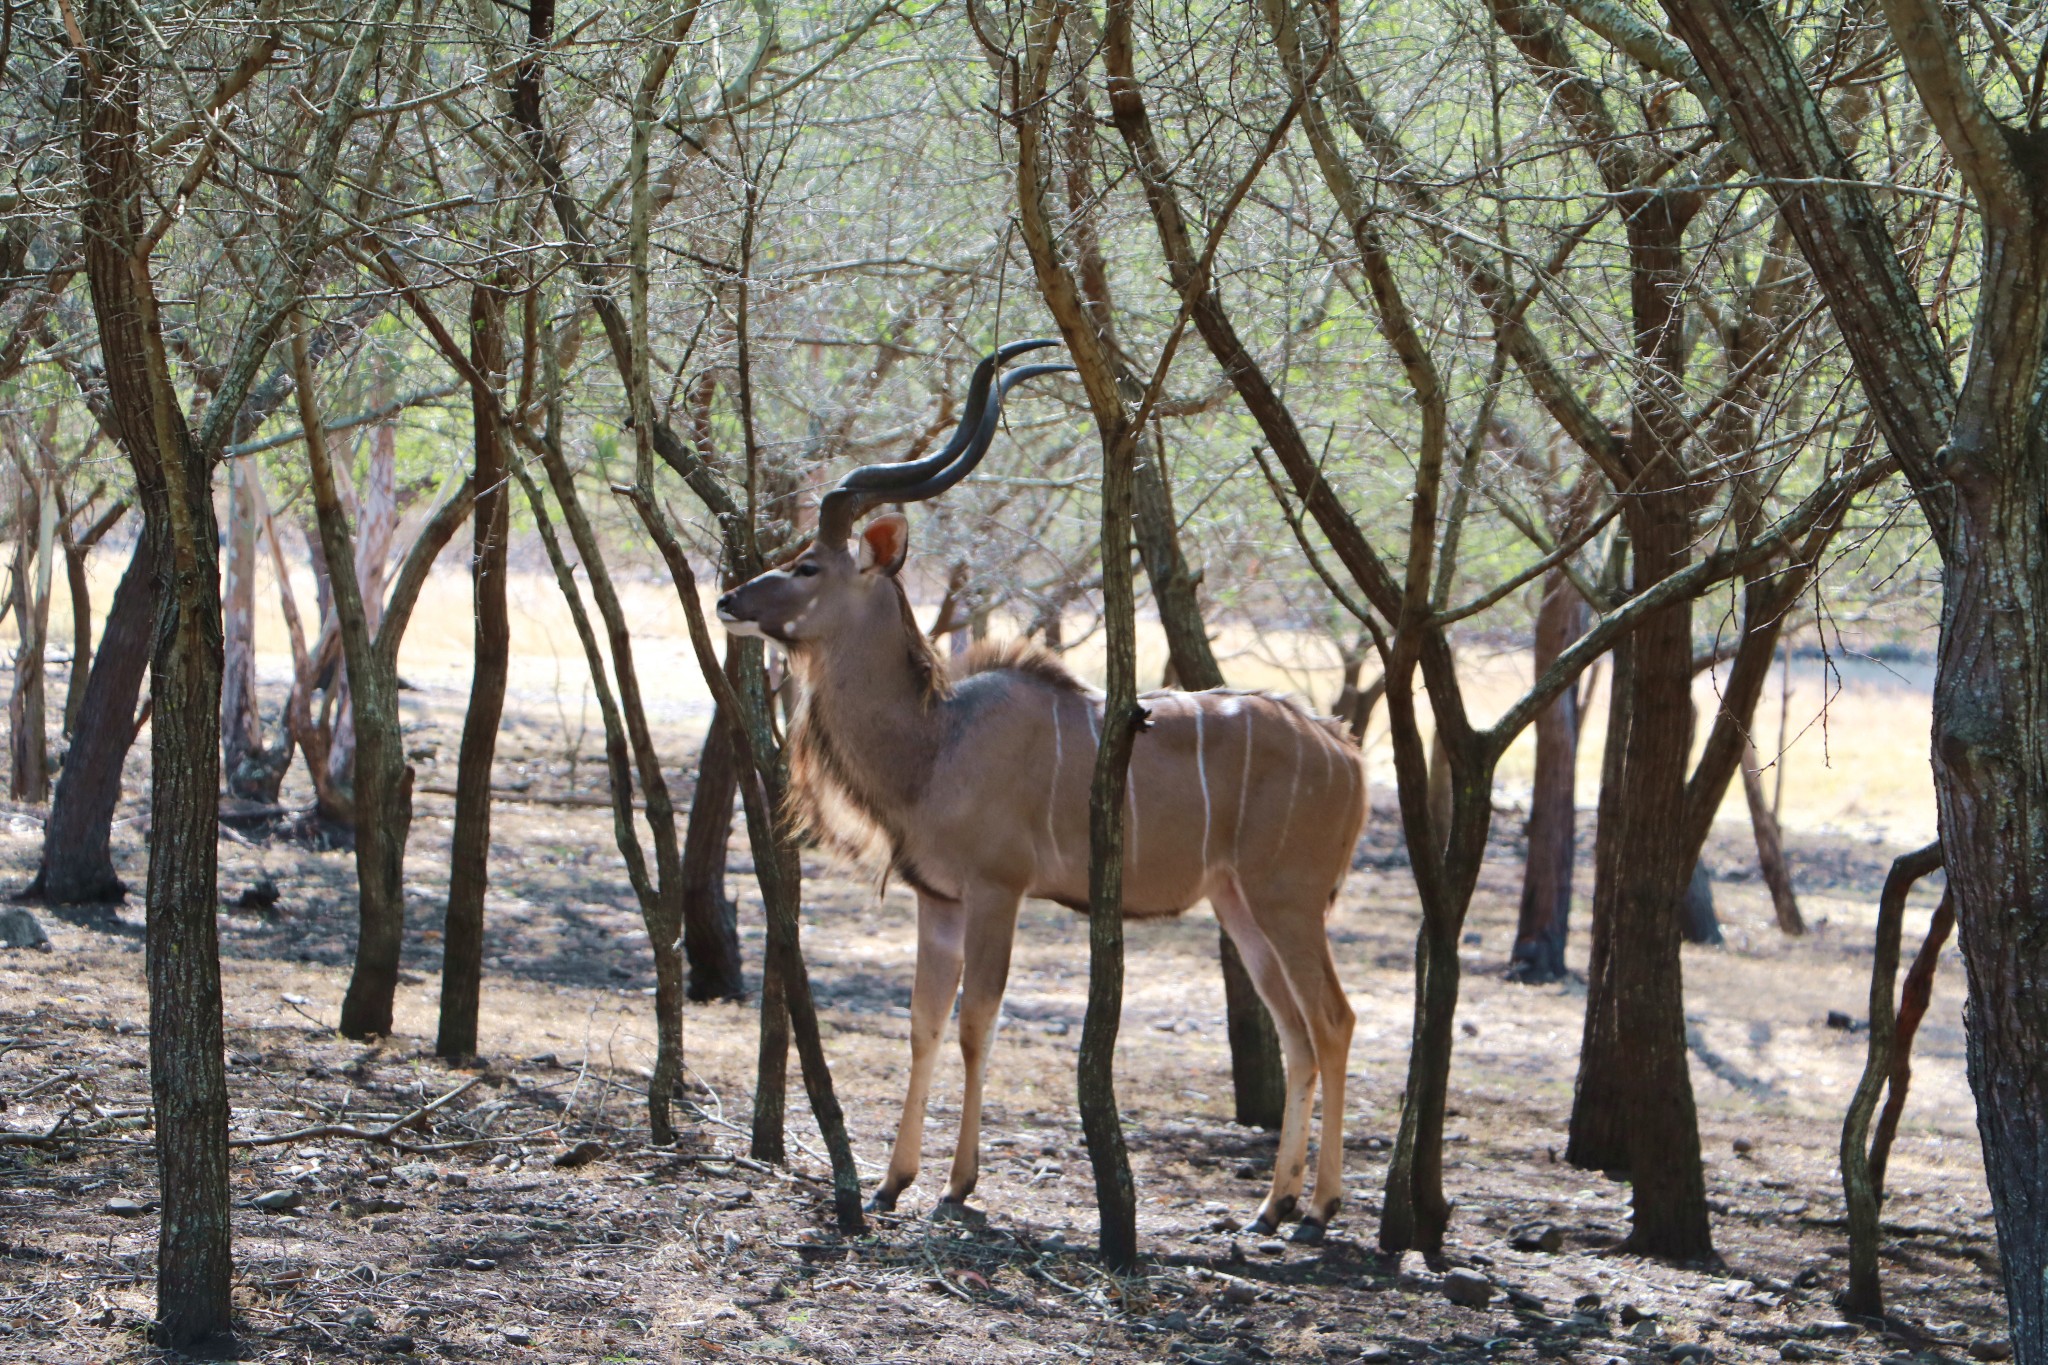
<point x="884" y="542"/>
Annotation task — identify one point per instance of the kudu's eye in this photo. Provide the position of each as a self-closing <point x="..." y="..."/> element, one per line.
<point x="805" y="570"/>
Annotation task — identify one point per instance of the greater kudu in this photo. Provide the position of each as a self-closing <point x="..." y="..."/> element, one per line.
<point x="974" y="790"/>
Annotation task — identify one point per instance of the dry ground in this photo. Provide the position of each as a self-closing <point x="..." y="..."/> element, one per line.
<point x="490" y="1250"/>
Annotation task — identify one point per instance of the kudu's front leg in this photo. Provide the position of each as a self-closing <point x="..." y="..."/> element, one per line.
<point x="991" y="930"/>
<point x="940" y="936"/>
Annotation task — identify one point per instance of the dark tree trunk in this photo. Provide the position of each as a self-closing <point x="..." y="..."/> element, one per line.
<point x="711" y="939"/>
<point x="1697" y="922"/>
<point x="188" y="1083"/>
<point x="1597" y="1140"/>
<point x="1634" y="1105"/>
<point x="1553" y="801"/>
<point x="78" y="861"/>
<point x="1975" y="454"/>
<point x="1258" y="1076"/>
<point x="469" y="851"/>
<point x="81" y="635"/>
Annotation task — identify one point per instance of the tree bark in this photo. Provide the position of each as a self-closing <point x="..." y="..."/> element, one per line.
<point x="241" y="726"/>
<point x="78" y="861"/>
<point x="188" y="1083"/>
<point x="1770" y="846"/>
<point x="1096" y="361"/>
<point x="1634" y="1100"/>
<point x="1862" y="1188"/>
<point x="1974" y="455"/>
<point x="1545" y="917"/>
<point x="469" y="846"/>
<point x="28" y="735"/>
<point x="376" y="520"/>
<point x="380" y="800"/>
<point x="711" y="941"/>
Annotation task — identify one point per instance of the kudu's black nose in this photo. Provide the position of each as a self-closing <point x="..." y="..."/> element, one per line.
<point x="725" y="604"/>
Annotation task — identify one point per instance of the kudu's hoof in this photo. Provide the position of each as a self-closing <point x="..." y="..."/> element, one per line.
<point x="950" y="1210"/>
<point x="1309" y="1232"/>
<point x="1269" y="1220"/>
<point x="882" y="1202"/>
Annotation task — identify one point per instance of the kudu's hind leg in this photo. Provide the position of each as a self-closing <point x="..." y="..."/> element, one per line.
<point x="1301" y="942"/>
<point x="991" y="930"/>
<point x="940" y="936"/>
<point x="1262" y="963"/>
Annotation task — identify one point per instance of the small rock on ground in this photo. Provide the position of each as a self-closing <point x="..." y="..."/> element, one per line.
<point x="1468" y="1289"/>
<point x="20" y="929"/>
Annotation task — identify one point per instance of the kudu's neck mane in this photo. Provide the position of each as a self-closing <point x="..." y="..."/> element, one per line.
<point x="867" y="728"/>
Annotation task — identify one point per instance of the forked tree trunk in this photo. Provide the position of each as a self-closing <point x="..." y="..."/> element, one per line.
<point x="1546" y="907"/>
<point x="469" y="846"/>
<point x="1258" y="1076"/>
<point x="381" y="794"/>
<point x="78" y="861"/>
<point x="1862" y="1178"/>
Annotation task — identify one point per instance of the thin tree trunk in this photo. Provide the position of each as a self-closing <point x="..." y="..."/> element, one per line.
<point x="711" y="940"/>
<point x="29" y="776"/>
<point x="376" y="520"/>
<point x="1545" y="919"/>
<point x="1072" y="301"/>
<point x="78" y="861"/>
<point x="241" y="727"/>
<point x="1914" y="997"/>
<point x="80" y="585"/>
<point x="469" y="846"/>
<point x="1258" y="1076"/>
<point x="381" y="793"/>
<point x="1770" y="845"/>
<point x="1862" y="1190"/>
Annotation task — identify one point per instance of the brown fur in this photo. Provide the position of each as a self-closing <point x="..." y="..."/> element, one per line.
<point x="825" y="798"/>
<point x="1021" y="656"/>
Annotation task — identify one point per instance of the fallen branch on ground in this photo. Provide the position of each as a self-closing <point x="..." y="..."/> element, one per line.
<point x="386" y="1136"/>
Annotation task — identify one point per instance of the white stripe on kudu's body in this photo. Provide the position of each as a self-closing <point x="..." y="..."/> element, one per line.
<point x="962" y="786"/>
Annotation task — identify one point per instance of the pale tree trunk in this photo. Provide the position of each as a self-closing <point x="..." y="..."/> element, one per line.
<point x="241" y="726"/>
<point x="29" y="773"/>
<point x="1770" y="845"/>
<point x="77" y="548"/>
<point x="376" y="519"/>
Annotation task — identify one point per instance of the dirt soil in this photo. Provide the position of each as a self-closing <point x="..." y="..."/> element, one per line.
<point x="475" y="1237"/>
